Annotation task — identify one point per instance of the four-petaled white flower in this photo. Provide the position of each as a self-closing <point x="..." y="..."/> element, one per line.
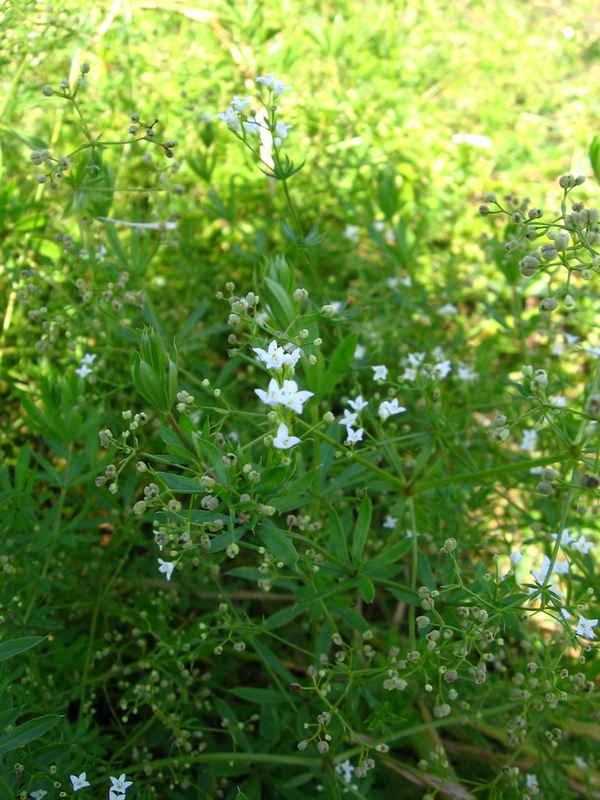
<point x="272" y="83"/>
<point x="410" y="374"/>
<point x="240" y="104"/>
<point x="416" y="359"/>
<point x="83" y="371"/>
<point x="358" y="404"/>
<point x="38" y="794"/>
<point x="585" y="627"/>
<point x="281" y="132"/>
<point x="79" y="782"/>
<point x="565" y="538"/>
<point x="275" y="357"/>
<point x="390" y="522"/>
<point x="381" y="372"/>
<point x="582" y="545"/>
<point x="530" y="438"/>
<point x="448" y="309"/>
<point x="441" y="370"/>
<point x="540" y="573"/>
<point x="354" y="436"/>
<point x="352" y="233"/>
<point x="167" y="567"/>
<point x="287" y="395"/>
<point x="531" y="780"/>
<point x="516" y="557"/>
<point x="389" y="408"/>
<point x="283" y="440"/>
<point x="88" y="358"/>
<point x="466" y="374"/>
<point x="292" y="397"/>
<point x="120" y="784"/>
<point x="231" y="119"/>
<point x="349" y="418"/>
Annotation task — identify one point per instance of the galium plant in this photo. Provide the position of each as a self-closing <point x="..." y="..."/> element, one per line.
<point x="325" y="566"/>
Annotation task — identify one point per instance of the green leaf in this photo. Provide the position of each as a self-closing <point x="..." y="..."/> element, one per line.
<point x="48" y="753"/>
<point x="5" y="792"/>
<point x="298" y="486"/>
<point x="595" y="156"/>
<point x="28" y="732"/>
<point x="361" y="529"/>
<point x="365" y="588"/>
<point x="280" y="303"/>
<point x="285" y="615"/>
<point x="387" y="558"/>
<point x="259" y="696"/>
<point x="181" y="484"/>
<point x="338" y="537"/>
<point x="277" y="543"/>
<point x="16" y="646"/>
<point x="338" y="366"/>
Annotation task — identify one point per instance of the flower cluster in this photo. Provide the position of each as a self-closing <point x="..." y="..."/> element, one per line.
<point x="440" y="369"/>
<point x="241" y="121"/>
<point x="84" y="365"/>
<point x="116" y="791"/>
<point x="282" y="391"/>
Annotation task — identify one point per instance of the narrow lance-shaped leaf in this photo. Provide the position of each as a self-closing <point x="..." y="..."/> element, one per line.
<point x="361" y="529"/>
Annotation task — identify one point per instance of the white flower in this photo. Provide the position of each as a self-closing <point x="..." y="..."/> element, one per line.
<point x="379" y="226"/>
<point x="594" y="352"/>
<point x="272" y="83"/>
<point x="112" y="795"/>
<point x="349" y="418"/>
<point x="581" y="762"/>
<point x="283" y="440"/>
<point x="531" y="780"/>
<point x="291" y="397"/>
<point x="571" y="338"/>
<point x="410" y="374"/>
<point x="39" y="794"/>
<point x="540" y="573"/>
<point x="358" y="404"/>
<point x="345" y="769"/>
<point x="359" y="352"/>
<point x="381" y="372"/>
<point x="354" y="436"/>
<point x="565" y="538"/>
<point x="231" y="119"/>
<point x="167" y="567"/>
<point x="390" y="522"/>
<point x="529" y="441"/>
<point x="466" y="374"/>
<point x="448" y="310"/>
<point x="120" y="784"/>
<point x="473" y="139"/>
<point x="272" y="396"/>
<point x="240" y="103"/>
<point x="276" y="358"/>
<point x="252" y="127"/>
<point x="390" y="408"/>
<point x="351" y="233"/>
<point x="516" y="557"/>
<point x="562" y="568"/>
<point x="558" y="349"/>
<point x="416" y="359"/>
<point x="79" y="782"/>
<point x="88" y="358"/>
<point x="441" y="370"/>
<point x="584" y="627"/>
<point x="582" y="545"/>
<point x="287" y="395"/>
<point x="281" y="130"/>
<point x="83" y="371"/>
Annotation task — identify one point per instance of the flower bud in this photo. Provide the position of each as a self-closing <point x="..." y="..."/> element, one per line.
<point x="47" y="91"/>
<point x="85" y="68"/>
<point x="548" y="304"/>
<point x="328" y="311"/>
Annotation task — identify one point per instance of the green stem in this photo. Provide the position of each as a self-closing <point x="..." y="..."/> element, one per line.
<point x="413" y="573"/>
